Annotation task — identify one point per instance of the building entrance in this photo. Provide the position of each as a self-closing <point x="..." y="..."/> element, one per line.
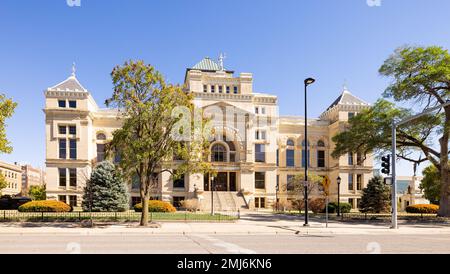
<point x="223" y="181"/>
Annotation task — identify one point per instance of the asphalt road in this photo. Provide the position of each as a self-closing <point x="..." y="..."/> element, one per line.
<point x="222" y="244"/>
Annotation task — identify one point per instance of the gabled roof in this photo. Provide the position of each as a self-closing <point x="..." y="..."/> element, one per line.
<point x="346" y="98"/>
<point x="207" y="64"/>
<point x="70" y="84"/>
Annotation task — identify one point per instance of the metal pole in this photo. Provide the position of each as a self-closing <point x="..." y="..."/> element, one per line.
<point x="394" y="181"/>
<point x="339" y="200"/>
<point x="212" y="196"/>
<point x="306" y="158"/>
<point x="326" y="210"/>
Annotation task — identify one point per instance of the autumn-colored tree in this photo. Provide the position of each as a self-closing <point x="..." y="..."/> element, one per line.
<point x="152" y="111"/>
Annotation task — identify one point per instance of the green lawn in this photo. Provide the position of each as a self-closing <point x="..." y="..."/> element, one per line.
<point x="129" y="216"/>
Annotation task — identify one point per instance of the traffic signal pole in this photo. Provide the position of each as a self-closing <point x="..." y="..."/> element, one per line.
<point x="394" y="224"/>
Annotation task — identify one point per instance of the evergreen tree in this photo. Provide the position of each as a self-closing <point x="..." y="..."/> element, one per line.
<point x="376" y="197"/>
<point x="105" y="189"/>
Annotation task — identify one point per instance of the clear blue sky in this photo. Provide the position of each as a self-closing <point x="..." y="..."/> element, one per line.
<point x="280" y="42"/>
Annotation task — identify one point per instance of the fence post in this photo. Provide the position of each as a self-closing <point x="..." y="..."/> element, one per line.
<point x="239" y="214"/>
<point x="115" y="215"/>
<point x="79" y="216"/>
<point x="42" y="216"/>
<point x="365" y="216"/>
<point x="151" y="216"/>
<point x="4" y="215"/>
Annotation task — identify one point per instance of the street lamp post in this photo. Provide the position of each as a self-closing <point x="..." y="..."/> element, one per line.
<point x="308" y="82"/>
<point x="339" y="195"/>
<point x="212" y="195"/>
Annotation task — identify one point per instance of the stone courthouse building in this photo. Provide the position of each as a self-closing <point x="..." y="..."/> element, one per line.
<point x="254" y="151"/>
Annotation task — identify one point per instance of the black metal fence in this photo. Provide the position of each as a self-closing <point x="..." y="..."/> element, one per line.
<point x="387" y="216"/>
<point x="128" y="216"/>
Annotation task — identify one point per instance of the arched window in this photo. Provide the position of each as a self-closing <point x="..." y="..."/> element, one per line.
<point x="290" y="142"/>
<point x="101" y="137"/>
<point x="218" y="153"/>
<point x="320" y="143"/>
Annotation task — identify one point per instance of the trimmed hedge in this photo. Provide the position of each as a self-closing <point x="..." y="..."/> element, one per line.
<point x="423" y="208"/>
<point x="156" y="206"/>
<point x="345" y="207"/>
<point x="45" y="206"/>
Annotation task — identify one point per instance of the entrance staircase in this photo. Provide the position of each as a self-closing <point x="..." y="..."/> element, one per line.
<point x="223" y="201"/>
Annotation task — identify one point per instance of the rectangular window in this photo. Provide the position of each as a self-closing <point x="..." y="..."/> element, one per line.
<point x="351" y="201"/>
<point x="62" y="176"/>
<point x="62" y="103"/>
<point x="260" y="202"/>
<point x="304" y="158"/>
<point x="256" y="110"/>
<point x="263" y="110"/>
<point x="358" y="201"/>
<point x="260" y="155"/>
<point x="62" y="198"/>
<point x="277" y="187"/>
<point x="220" y="89"/>
<point x="72" y="104"/>
<point x="213" y="88"/>
<point x="179" y="182"/>
<point x="256" y="134"/>
<point x="73" y="177"/>
<point x="73" y="149"/>
<point x="205" y="88"/>
<point x="100" y="153"/>
<point x="351" y="115"/>
<point x="278" y="157"/>
<point x="62" y="148"/>
<point x="358" y="182"/>
<point x="73" y="200"/>
<point x="290" y="186"/>
<point x="263" y="135"/>
<point x="62" y="130"/>
<point x="235" y="90"/>
<point x="73" y="130"/>
<point x="350" y="159"/>
<point x="228" y="89"/>
<point x="320" y="158"/>
<point x="290" y="158"/>
<point x="260" y="180"/>
<point x="350" y="181"/>
<point x="135" y="200"/>
<point x="359" y="159"/>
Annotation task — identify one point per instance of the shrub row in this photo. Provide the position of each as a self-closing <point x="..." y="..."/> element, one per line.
<point x="431" y="209"/>
<point x="45" y="206"/>
<point x="156" y="206"/>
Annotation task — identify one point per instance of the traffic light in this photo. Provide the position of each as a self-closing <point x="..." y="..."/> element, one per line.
<point x="386" y="164"/>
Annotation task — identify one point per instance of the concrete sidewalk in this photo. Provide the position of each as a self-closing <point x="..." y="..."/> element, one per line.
<point x="247" y="225"/>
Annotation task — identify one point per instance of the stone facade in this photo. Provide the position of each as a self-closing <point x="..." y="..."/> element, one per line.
<point x="250" y="150"/>
<point x="13" y="176"/>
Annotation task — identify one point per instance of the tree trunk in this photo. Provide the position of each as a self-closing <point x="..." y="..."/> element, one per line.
<point x="144" y="199"/>
<point x="444" y="207"/>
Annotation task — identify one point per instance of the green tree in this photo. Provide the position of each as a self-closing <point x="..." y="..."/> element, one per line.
<point x="431" y="184"/>
<point x="420" y="78"/>
<point x="7" y="107"/>
<point x="38" y="193"/>
<point x="105" y="190"/>
<point x="150" y="108"/>
<point x="376" y="197"/>
<point x="3" y="182"/>
<point x="296" y="185"/>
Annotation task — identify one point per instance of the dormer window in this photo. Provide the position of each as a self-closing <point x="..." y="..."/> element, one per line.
<point x="228" y="89"/>
<point x="72" y="104"/>
<point x="220" y="89"/>
<point x="205" y="88"/>
<point x="213" y="89"/>
<point x="62" y="103"/>
<point x="235" y="90"/>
